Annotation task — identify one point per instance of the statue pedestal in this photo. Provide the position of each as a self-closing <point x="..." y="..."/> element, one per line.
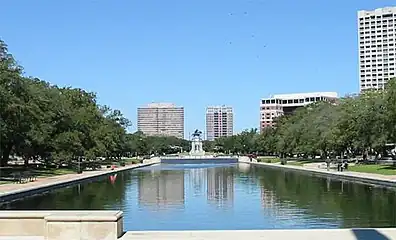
<point x="196" y="148"/>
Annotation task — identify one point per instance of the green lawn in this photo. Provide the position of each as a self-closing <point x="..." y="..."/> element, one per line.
<point x="268" y="159"/>
<point x="39" y="173"/>
<point x="299" y="162"/>
<point x="52" y="172"/>
<point x="378" y="169"/>
<point x="129" y="161"/>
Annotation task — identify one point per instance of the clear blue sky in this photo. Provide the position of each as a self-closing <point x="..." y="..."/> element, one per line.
<point x="193" y="53"/>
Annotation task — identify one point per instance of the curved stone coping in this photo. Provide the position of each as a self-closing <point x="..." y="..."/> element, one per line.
<point x="348" y="176"/>
<point x="199" y="161"/>
<point x="84" y="216"/>
<point x="30" y="190"/>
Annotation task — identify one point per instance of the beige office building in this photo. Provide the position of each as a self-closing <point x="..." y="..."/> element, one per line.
<point x="161" y="119"/>
<point x="377" y="42"/>
<point x="284" y="104"/>
<point x="219" y="122"/>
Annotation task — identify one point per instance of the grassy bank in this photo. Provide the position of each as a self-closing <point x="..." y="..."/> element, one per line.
<point x="6" y="176"/>
<point x="377" y="169"/>
<point x="299" y="162"/>
<point x="129" y="161"/>
<point x="50" y="172"/>
<point x="268" y="159"/>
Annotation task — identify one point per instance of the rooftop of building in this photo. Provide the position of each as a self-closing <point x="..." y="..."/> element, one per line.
<point x="303" y="95"/>
<point x="161" y="105"/>
<point x="377" y="10"/>
<point x="218" y="108"/>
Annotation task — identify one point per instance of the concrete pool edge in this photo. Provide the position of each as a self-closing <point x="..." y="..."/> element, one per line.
<point x="347" y="176"/>
<point x="295" y="234"/>
<point x="108" y="225"/>
<point x="32" y="190"/>
<point x="49" y="225"/>
<point x="199" y="159"/>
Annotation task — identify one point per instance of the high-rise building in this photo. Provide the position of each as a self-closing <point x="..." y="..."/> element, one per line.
<point x="219" y="122"/>
<point x="377" y="40"/>
<point x="280" y="104"/>
<point x="161" y="119"/>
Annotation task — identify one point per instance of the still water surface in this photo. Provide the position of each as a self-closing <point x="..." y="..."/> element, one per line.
<point x="199" y="197"/>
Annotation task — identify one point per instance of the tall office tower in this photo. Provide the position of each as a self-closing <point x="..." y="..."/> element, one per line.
<point x="161" y="119"/>
<point x="377" y="39"/>
<point x="280" y="104"/>
<point x="219" y="122"/>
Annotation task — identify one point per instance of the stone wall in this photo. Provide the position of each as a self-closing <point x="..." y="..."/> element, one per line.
<point x="59" y="225"/>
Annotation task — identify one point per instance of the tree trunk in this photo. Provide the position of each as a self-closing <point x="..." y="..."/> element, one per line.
<point x="6" y="155"/>
<point x="26" y="162"/>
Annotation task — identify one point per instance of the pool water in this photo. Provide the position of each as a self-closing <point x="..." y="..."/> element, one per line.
<point x="224" y="196"/>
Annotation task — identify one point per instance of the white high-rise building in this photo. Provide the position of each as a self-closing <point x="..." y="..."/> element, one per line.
<point x="377" y="39"/>
<point x="161" y="119"/>
<point x="219" y="122"/>
<point x="283" y="104"/>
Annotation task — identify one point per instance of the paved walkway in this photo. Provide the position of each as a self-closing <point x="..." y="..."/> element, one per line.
<point x="10" y="188"/>
<point x="323" y="167"/>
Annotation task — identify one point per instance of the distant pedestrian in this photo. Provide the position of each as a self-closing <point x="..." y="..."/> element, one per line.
<point x="328" y="164"/>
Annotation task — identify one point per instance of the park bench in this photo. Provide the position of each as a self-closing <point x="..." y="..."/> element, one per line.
<point x="22" y="177"/>
<point x="29" y="176"/>
<point x="17" y="177"/>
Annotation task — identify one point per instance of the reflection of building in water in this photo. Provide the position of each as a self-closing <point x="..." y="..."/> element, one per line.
<point x="275" y="206"/>
<point x="270" y="204"/>
<point x="220" y="185"/>
<point x="162" y="188"/>
<point x="197" y="179"/>
<point x="268" y="199"/>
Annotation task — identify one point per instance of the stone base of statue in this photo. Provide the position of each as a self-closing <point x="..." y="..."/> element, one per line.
<point x="196" y="145"/>
<point x="196" y="149"/>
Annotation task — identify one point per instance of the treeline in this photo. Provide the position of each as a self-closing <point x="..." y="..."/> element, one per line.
<point x="360" y="125"/>
<point x="62" y="124"/>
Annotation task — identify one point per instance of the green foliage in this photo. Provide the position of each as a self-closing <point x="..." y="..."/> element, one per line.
<point x="353" y="125"/>
<point x="64" y="125"/>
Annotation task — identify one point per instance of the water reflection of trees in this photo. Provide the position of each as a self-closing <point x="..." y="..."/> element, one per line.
<point x="356" y="204"/>
<point x="97" y="195"/>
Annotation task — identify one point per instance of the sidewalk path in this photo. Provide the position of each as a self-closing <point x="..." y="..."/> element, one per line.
<point x="13" y="188"/>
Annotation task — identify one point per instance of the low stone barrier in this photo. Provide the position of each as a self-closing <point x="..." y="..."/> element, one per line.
<point x="59" y="225"/>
